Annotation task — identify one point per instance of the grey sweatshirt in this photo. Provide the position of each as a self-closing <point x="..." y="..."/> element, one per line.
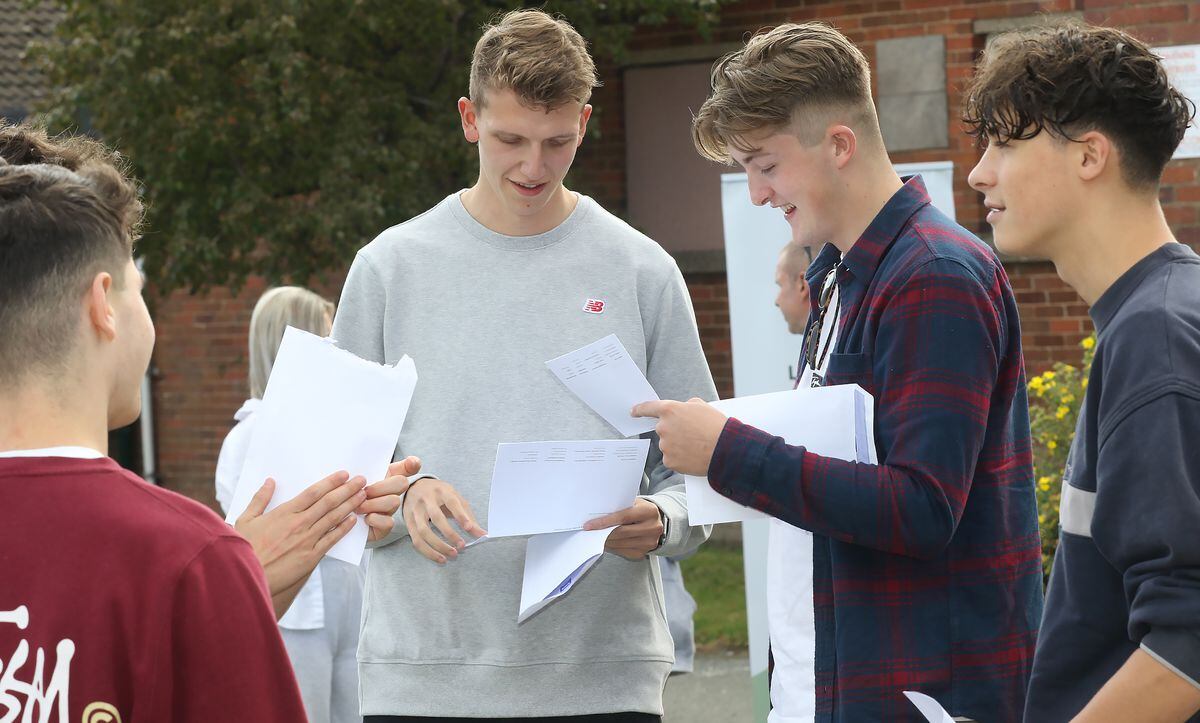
<point x="480" y="313"/>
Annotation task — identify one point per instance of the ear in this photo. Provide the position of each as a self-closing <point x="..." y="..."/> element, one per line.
<point x="804" y="289"/>
<point x="1093" y="153"/>
<point x="584" y="115"/>
<point x="470" y="119"/>
<point x="843" y="143"/>
<point x="99" y="309"/>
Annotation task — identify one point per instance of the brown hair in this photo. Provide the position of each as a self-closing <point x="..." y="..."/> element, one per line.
<point x="1069" y="79"/>
<point x="785" y="73"/>
<point x="60" y="225"/>
<point x="540" y="58"/>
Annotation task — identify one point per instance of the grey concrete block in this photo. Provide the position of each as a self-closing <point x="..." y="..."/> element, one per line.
<point x="911" y="65"/>
<point x="915" y="120"/>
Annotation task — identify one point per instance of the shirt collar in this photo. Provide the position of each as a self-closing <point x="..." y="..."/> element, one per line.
<point x="71" y="452"/>
<point x="1106" y="307"/>
<point x="864" y="256"/>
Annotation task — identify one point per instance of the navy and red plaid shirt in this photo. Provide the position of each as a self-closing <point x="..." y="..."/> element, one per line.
<point x="926" y="567"/>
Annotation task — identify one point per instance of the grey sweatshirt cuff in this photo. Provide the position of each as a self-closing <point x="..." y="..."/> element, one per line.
<point x="1177" y="649"/>
<point x="682" y="538"/>
<point x="399" y="528"/>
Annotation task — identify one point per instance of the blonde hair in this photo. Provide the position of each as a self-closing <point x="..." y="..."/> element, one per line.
<point x="540" y="58"/>
<point x="275" y="311"/>
<point x="808" y="72"/>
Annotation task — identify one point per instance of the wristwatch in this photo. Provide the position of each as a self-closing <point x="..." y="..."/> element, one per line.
<point x="666" y="525"/>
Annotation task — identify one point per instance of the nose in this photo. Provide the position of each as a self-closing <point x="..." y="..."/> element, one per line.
<point x="982" y="176"/>
<point x="760" y="193"/>
<point x="534" y="163"/>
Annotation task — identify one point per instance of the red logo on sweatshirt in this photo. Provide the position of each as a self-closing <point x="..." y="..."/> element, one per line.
<point x="594" y="306"/>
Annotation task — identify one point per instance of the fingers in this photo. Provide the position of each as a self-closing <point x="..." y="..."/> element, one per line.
<point x="331" y="536"/>
<point x="386" y="505"/>
<point x="379" y="525"/>
<point x="610" y="520"/>
<point x="425" y="540"/>
<point x="259" y="502"/>
<point x="649" y="409"/>
<point x="461" y="512"/>
<point x="315" y="492"/>
<point x="393" y="485"/>
<point x="335" y="505"/>
<point x="437" y="517"/>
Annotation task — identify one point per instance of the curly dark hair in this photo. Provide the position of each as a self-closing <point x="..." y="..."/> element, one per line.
<point x="1071" y="78"/>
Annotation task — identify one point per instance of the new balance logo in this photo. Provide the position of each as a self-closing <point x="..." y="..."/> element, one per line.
<point x="594" y="306"/>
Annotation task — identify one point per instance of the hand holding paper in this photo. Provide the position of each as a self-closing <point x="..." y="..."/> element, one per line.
<point x="324" y="410"/>
<point x="638" y="529"/>
<point x="687" y="432"/>
<point x="291" y="539"/>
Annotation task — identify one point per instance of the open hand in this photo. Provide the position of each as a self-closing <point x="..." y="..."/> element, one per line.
<point x="428" y="508"/>
<point x="291" y="539"/>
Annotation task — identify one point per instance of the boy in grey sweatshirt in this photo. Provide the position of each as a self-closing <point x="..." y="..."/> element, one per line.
<point x="481" y="290"/>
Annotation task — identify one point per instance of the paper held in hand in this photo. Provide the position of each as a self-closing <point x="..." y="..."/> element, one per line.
<point x="605" y="377"/>
<point x="554" y="563"/>
<point x="540" y="487"/>
<point x="324" y="410"/>
<point x="835" y="421"/>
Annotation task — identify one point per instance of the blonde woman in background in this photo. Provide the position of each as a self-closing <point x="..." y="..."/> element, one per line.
<point x="320" y="630"/>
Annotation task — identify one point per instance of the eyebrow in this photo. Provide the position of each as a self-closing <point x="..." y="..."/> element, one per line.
<point x="559" y="137"/>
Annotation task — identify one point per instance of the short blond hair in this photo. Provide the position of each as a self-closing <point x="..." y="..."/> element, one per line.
<point x="792" y="72"/>
<point x="541" y="58"/>
<point x="276" y="310"/>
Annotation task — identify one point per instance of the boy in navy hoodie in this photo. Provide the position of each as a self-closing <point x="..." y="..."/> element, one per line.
<point x="1079" y="123"/>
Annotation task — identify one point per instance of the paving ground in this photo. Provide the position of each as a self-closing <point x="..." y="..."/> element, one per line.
<point x="717" y="692"/>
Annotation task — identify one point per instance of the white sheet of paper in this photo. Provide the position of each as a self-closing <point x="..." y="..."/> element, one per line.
<point x="930" y="708"/>
<point x="606" y="378"/>
<point x="554" y="563"/>
<point x="835" y="421"/>
<point x="540" y="487"/>
<point x="324" y="410"/>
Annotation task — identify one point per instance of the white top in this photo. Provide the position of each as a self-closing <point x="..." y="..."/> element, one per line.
<point x="791" y="619"/>
<point x="308" y="609"/>
<point x="72" y="452"/>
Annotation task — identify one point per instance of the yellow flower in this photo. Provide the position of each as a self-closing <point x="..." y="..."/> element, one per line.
<point x="1088" y="343"/>
<point x="1085" y="383"/>
<point x="1062" y="412"/>
<point x="1068" y="398"/>
<point x="1044" y="486"/>
<point x="1041" y="519"/>
<point x="1051" y="444"/>
<point x="1036" y="382"/>
<point x="1048" y="375"/>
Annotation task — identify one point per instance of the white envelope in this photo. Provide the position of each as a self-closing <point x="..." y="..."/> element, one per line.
<point x="324" y="410"/>
<point x="554" y="563"/>
<point x="835" y="421"/>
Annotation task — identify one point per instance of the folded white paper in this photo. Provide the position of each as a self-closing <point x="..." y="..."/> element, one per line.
<point x="606" y="378"/>
<point x="930" y="708"/>
<point x="554" y="563"/>
<point x="835" y="421"/>
<point x="324" y="410"/>
<point x="540" y="487"/>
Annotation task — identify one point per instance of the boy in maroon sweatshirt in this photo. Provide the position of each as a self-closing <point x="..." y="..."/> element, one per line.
<point x="119" y="601"/>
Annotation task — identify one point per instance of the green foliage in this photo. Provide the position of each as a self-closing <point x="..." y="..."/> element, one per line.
<point x="275" y="137"/>
<point x="715" y="578"/>
<point x="1055" y="397"/>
